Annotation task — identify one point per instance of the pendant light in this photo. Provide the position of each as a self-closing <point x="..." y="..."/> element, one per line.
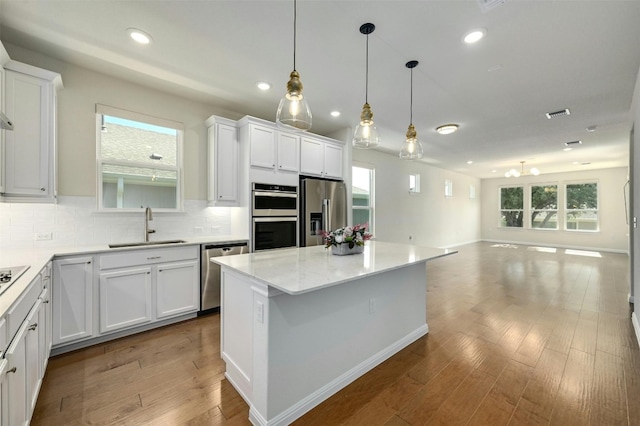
<point x="366" y="134"/>
<point x="293" y="110"/>
<point x="412" y="148"/>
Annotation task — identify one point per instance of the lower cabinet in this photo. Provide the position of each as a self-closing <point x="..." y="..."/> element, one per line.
<point x="125" y="298"/>
<point x="175" y="290"/>
<point x="15" y="395"/>
<point x="73" y="299"/>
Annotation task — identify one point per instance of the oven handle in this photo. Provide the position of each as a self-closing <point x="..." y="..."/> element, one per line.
<point x="275" y="219"/>
<point x="275" y="194"/>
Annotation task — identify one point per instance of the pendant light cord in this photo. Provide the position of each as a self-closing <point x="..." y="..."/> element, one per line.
<point x="295" y="15"/>
<point x="366" y="78"/>
<point x="411" y="100"/>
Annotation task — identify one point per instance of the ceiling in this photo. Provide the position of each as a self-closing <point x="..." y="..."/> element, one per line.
<point x="538" y="56"/>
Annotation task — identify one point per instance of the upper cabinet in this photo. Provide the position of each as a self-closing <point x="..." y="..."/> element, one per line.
<point x="29" y="161"/>
<point x="223" y="175"/>
<point x="321" y="158"/>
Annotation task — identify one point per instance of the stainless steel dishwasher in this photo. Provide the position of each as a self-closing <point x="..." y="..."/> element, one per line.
<point x="210" y="273"/>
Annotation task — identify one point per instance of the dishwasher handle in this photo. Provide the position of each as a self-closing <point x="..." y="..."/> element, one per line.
<point x="224" y="246"/>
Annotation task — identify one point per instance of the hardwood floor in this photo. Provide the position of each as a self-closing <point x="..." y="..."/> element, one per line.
<point x="517" y="336"/>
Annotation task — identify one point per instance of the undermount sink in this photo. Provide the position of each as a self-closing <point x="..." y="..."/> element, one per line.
<point x="148" y="243"/>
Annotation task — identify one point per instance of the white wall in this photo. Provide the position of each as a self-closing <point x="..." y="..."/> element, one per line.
<point x="429" y="217"/>
<point x="634" y="165"/>
<point x="613" y="234"/>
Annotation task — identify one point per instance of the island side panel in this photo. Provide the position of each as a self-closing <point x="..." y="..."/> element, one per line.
<point x="322" y="340"/>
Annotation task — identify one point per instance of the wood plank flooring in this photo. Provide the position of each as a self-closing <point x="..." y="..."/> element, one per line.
<point x="518" y="336"/>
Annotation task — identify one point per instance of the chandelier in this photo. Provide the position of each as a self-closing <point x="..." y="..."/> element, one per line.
<point x="515" y="173"/>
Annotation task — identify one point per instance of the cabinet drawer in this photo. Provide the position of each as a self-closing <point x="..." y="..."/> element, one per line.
<point x="21" y="308"/>
<point x="147" y="257"/>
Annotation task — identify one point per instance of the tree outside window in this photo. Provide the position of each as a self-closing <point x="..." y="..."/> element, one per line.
<point x="582" y="207"/>
<point x="544" y="207"/>
<point x="511" y="206"/>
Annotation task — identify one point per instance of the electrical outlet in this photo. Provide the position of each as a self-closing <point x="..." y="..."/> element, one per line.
<point x="198" y="229"/>
<point x="44" y="236"/>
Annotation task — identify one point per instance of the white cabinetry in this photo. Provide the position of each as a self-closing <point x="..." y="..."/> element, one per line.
<point x="223" y="162"/>
<point x="29" y="162"/>
<point x="73" y="297"/>
<point x="24" y="364"/>
<point x="125" y="298"/>
<point x="144" y="286"/>
<point x="273" y="154"/>
<point x="321" y="158"/>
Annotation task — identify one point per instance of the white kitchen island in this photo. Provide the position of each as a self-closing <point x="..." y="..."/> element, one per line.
<point x="298" y="325"/>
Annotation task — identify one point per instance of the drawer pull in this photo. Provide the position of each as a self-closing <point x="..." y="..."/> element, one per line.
<point x="13" y="370"/>
<point x="33" y="327"/>
<point x="154" y="257"/>
<point x="45" y="301"/>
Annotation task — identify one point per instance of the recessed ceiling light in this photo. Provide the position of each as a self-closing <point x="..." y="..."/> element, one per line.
<point x="475" y="36"/>
<point x="469" y="162"/>
<point x="493" y="171"/>
<point x="575" y="162"/>
<point x="263" y="85"/>
<point x="335" y="113"/>
<point x="592" y="128"/>
<point x="567" y="149"/>
<point x="446" y="129"/>
<point x="139" y="36"/>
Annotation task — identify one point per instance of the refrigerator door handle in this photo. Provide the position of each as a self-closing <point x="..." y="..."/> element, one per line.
<point x="326" y="219"/>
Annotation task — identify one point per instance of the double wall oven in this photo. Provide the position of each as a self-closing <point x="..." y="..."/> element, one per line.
<point x="274" y="211"/>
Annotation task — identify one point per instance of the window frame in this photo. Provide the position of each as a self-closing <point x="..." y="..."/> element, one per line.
<point x="567" y="211"/>
<point x="532" y="209"/>
<point x="371" y="207"/>
<point x="500" y="209"/>
<point x="100" y="162"/>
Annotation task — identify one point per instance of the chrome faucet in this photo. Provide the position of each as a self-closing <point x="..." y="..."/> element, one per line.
<point x="148" y="215"/>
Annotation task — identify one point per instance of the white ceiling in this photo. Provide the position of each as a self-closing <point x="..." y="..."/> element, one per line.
<point x="549" y="55"/>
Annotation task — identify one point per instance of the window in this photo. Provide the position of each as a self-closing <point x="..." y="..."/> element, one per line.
<point x="544" y="206"/>
<point x="414" y="183"/>
<point x="582" y="206"/>
<point x="362" y="196"/>
<point x="139" y="161"/>
<point x="448" y="188"/>
<point x="511" y="206"/>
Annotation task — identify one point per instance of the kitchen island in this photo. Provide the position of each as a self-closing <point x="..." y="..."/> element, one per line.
<point x="298" y="325"/>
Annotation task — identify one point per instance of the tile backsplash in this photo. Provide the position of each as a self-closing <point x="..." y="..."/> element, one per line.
<point x="75" y="221"/>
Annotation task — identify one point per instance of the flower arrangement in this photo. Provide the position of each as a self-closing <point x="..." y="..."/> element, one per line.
<point x="351" y="235"/>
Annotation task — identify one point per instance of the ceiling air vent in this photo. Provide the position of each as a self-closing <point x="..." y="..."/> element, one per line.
<point x="573" y="143"/>
<point x="556" y="114"/>
<point x="487" y="5"/>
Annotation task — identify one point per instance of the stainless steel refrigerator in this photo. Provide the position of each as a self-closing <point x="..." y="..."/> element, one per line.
<point x="323" y="207"/>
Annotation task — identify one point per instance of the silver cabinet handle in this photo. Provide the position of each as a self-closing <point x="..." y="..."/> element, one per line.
<point x="33" y="327"/>
<point x="45" y="301"/>
<point x="154" y="257"/>
<point x="13" y="370"/>
<point x="42" y="189"/>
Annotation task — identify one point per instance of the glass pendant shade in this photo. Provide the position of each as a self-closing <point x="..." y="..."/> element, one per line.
<point x="366" y="134"/>
<point x="293" y="110"/>
<point x="412" y="148"/>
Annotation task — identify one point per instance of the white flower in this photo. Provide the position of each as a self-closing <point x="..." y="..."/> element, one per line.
<point x="338" y="239"/>
<point x="348" y="231"/>
<point x="359" y="238"/>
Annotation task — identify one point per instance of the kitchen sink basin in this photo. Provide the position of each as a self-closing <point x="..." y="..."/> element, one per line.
<point x="148" y="243"/>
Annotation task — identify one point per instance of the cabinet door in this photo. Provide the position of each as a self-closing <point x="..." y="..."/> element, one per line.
<point x="125" y="298"/>
<point x="44" y="321"/>
<point x="29" y="103"/>
<point x="3" y="392"/>
<point x="226" y="163"/>
<point x="177" y="289"/>
<point x="311" y="157"/>
<point x="333" y="161"/>
<point x="262" y="146"/>
<point x="33" y="366"/>
<point x="48" y="311"/>
<point x="72" y="299"/>
<point x="288" y="152"/>
<point x="16" y="379"/>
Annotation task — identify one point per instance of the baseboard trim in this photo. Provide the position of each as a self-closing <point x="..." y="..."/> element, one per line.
<point x="529" y="243"/>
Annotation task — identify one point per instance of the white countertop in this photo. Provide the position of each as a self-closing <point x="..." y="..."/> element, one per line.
<point x="36" y="259"/>
<point x="301" y="270"/>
